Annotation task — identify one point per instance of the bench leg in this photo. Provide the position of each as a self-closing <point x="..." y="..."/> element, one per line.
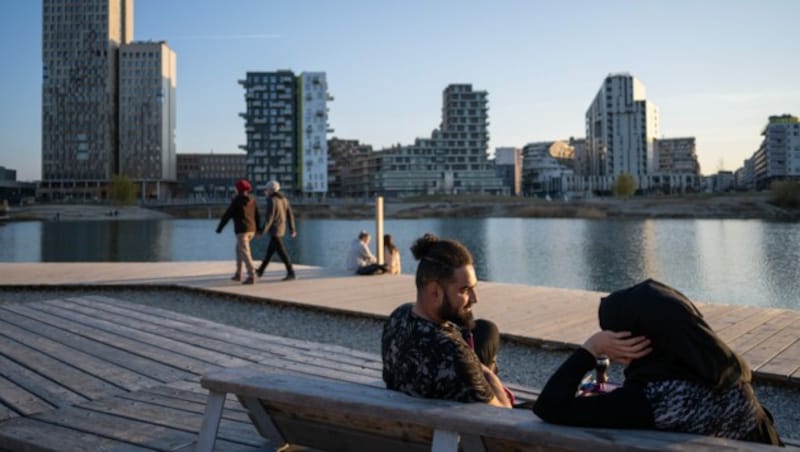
<point x="444" y="441"/>
<point x="263" y="422"/>
<point x="208" y="429"/>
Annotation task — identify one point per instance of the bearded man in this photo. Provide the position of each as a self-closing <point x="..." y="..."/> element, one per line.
<point x="434" y="348"/>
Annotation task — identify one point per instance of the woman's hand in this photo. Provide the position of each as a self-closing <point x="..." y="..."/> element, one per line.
<point x="619" y="346"/>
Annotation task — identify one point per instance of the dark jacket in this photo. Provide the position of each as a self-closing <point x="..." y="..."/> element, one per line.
<point x="243" y="209"/>
<point x="689" y="365"/>
<point x="278" y="216"/>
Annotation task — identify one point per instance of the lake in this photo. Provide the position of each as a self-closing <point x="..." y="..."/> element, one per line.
<point x="748" y="262"/>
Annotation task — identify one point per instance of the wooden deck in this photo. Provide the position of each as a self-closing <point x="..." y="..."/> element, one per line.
<point x="768" y="338"/>
<point x="95" y="373"/>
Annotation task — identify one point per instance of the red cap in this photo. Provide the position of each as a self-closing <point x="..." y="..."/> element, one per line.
<point x="242" y="185"/>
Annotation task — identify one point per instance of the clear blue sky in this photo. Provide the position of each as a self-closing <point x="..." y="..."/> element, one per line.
<point x="716" y="68"/>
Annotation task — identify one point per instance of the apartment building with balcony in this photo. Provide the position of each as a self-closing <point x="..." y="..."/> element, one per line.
<point x="544" y="164"/>
<point x="778" y="156"/>
<point x="286" y="125"/>
<point x="453" y="160"/>
<point x="147" y="81"/>
<point x="313" y="128"/>
<point x="271" y="121"/>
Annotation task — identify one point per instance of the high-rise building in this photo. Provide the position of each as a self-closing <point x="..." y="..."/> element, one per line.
<point x="778" y="156"/>
<point x="80" y="53"/>
<point x="147" y="114"/>
<point x="620" y="127"/>
<point x="108" y="106"/>
<point x="453" y="160"/>
<point x="271" y="128"/>
<point x="286" y="124"/>
<point x="313" y="143"/>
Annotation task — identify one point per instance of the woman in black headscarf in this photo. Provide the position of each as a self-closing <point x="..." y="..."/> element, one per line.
<point x="679" y="377"/>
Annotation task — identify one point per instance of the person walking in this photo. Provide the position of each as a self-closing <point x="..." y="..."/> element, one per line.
<point x="243" y="210"/>
<point x="278" y="217"/>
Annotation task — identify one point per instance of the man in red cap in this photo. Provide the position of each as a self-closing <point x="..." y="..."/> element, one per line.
<point x="243" y="209"/>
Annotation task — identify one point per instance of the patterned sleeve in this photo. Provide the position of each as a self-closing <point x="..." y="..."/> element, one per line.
<point x="461" y="374"/>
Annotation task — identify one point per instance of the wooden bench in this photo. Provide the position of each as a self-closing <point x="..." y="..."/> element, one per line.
<point x="290" y="409"/>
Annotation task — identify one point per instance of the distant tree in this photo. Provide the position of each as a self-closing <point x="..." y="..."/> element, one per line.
<point x="785" y="193"/>
<point x="624" y="186"/>
<point x="122" y="190"/>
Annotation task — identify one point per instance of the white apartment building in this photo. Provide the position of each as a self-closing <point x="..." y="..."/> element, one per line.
<point x="621" y="125"/>
<point x="313" y="143"/>
<point x="80" y="45"/>
<point x="544" y="164"/>
<point x="778" y="156"/>
<point x="147" y="80"/>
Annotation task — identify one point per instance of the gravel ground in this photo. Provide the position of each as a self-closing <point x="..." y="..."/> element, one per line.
<point x="518" y="363"/>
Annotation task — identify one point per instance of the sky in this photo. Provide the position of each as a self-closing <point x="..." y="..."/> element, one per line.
<point x="716" y="69"/>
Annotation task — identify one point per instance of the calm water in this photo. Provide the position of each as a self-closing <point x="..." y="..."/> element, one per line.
<point x="748" y="262"/>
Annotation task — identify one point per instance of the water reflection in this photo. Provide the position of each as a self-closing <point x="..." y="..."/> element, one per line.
<point x="731" y="261"/>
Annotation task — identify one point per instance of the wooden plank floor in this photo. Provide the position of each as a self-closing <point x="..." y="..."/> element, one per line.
<point x="768" y="338"/>
<point x="97" y="373"/>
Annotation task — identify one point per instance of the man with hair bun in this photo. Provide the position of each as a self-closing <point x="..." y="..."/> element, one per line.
<point x="428" y="347"/>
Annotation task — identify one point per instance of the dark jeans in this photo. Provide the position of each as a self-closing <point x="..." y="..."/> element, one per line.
<point x="371" y="269"/>
<point x="276" y="244"/>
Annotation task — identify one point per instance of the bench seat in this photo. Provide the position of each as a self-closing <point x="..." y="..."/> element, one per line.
<point x="327" y="414"/>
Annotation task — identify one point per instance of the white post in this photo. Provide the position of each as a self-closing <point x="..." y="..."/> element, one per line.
<point x="379" y="228"/>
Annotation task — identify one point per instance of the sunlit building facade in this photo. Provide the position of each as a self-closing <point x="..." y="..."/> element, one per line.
<point x="621" y="125"/>
<point x="147" y="115"/>
<point x="453" y="160"/>
<point x="286" y="125"/>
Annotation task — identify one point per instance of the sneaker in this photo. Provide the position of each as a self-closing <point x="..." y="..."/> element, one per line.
<point x="249" y="280"/>
<point x="236" y="277"/>
<point x="260" y="271"/>
<point x="289" y="277"/>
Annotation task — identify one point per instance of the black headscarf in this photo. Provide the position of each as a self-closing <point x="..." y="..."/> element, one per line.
<point x="684" y="346"/>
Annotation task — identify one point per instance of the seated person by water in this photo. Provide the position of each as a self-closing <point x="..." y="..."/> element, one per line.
<point x="679" y="376"/>
<point x="428" y="347"/>
<point x="360" y="259"/>
<point x="391" y="254"/>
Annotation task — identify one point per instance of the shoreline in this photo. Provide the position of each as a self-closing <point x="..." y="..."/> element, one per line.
<point x="735" y="206"/>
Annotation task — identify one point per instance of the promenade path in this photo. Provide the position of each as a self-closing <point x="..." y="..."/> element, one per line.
<point x="549" y="317"/>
